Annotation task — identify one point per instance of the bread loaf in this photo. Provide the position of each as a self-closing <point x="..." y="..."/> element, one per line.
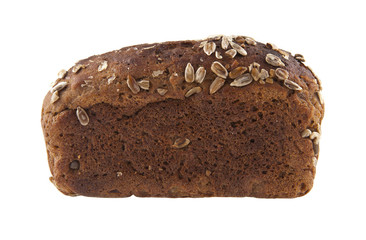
<point x="220" y="117"/>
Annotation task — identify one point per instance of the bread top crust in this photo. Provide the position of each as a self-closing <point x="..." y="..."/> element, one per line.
<point x="132" y="77"/>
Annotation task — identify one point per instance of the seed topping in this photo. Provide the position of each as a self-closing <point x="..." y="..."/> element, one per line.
<point x="241" y="81"/>
<point x="250" y="41"/>
<point x="62" y="73"/>
<point x="281" y="74"/>
<point x="237" y="72"/>
<point x="292" y="85"/>
<point x="224" y="42"/>
<point x="54" y="97"/>
<point x="255" y="74"/>
<point x="162" y="91"/>
<point x="219" y="69"/>
<point x="144" y="84"/>
<point x="189" y="73"/>
<point x="181" y="143"/>
<point x="209" y="48"/>
<point x="58" y="87"/>
<point x="77" y="67"/>
<point x="274" y="60"/>
<point x="132" y="84"/>
<point x="263" y="74"/>
<point x="231" y="53"/>
<point x="103" y="66"/>
<point x="111" y="79"/>
<point x="299" y="57"/>
<point x="200" y="74"/>
<point x="192" y="91"/>
<point x="238" y="48"/>
<point x="306" y="133"/>
<point x="82" y="116"/>
<point x="218" y="55"/>
<point x="216" y="84"/>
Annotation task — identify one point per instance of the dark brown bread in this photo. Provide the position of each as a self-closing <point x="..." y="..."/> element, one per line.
<point x="132" y="122"/>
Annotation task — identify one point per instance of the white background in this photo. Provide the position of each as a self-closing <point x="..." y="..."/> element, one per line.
<point x="40" y="38"/>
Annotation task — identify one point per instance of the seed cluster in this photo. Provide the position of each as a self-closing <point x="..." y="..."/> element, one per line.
<point x="315" y="137"/>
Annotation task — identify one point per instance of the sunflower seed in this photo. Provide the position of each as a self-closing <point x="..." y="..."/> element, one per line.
<point x="272" y="73"/>
<point x="299" y="57"/>
<point x="254" y="65"/>
<point x="219" y="69"/>
<point x="321" y="100"/>
<point x="250" y="41"/>
<point x="216" y="85"/>
<point x="157" y="73"/>
<point x="82" y="116"/>
<point x="314" y="135"/>
<point x="315" y="161"/>
<point x="200" y="74"/>
<point x="237" y="72"/>
<point x="192" y="91"/>
<point x="238" y="48"/>
<point x="111" y="79"/>
<point x="242" y="80"/>
<point x="209" y="48"/>
<point x="269" y="80"/>
<point x="271" y="46"/>
<point x="255" y="74"/>
<point x="215" y="37"/>
<point x="218" y="55"/>
<point x="189" y="73"/>
<point x="292" y="85"/>
<point x="144" y="84"/>
<point x="263" y="74"/>
<point x="103" y="66"/>
<point x="162" y="91"/>
<point x="224" y="42"/>
<point x="284" y="54"/>
<point x="132" y="84"/>
<point x="306" y="133"/>
<point x="58" y="87"/>
<point x="146" y="48"/>
<point x="281" y="74"/>
<point x="231" y="53"/>
<point x="77" y="67"/>
<point x="181" y="143"/>
<point x="274" y="60"/>
<point x="240" y="39"/>
<point x="54" y="97"/>
<point x="62" y="73"/>
<point x="202" y="44"/>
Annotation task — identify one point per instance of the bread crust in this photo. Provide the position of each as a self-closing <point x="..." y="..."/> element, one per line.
<point x="155" y="138"/>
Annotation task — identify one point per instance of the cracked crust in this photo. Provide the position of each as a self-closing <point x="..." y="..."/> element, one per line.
<point x="248" y="138"/>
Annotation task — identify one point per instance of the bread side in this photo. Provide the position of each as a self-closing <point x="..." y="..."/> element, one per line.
<point x="143" y="121"/>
